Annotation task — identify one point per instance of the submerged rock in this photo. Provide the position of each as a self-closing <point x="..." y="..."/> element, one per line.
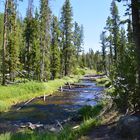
<point x="129" y="127"/>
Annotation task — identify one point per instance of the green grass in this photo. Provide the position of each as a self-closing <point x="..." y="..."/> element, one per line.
<point x="66" y="134"/>
<point x="83" y="71"/>
<point x="79" y="71"/>
<point x="110" y="91"/>
<point x="28" y="136"/>
<point x="88" y="112"/>
<point x="11" y="95"/>
<point x="104" y="81"/>
<point x="14" y="94"/>
<point x="86" y="126"/>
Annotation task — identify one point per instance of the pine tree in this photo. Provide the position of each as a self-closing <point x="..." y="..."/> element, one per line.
<point x="1" y="38"/>
<point x="55" y="50"/>
<point x="98" y="61"/>
<point x="28" y="37"/>
<point x="12" y="48"/>
<point x="77" y="40"/>
<point x="4" y="43"/>
<point x="83" y="60"/>
<point x="92" y="58"/>
<point x="44" y="39"/>
<point x="21" y="45"/>
<point x="66" y="27"/>
<point x="36" y="54"/>
<point x="32" y="48"/>
<point x="131" y="67"/>
<point x="82" y="35"/>
<point x="136" y="30"/>
<point x="1" y="29"/>
<point x="108" y="28"/>
<point x="115" y="19"/>
<point x="103" y="43"/>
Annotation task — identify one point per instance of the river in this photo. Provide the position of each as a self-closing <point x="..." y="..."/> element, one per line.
<point x="59" y="107"/>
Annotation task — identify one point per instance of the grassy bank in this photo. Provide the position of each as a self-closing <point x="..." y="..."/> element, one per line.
<point x="13" y="94"/>
<point x="105" y="81"/>
<point x="10" y="95"/>
<point x="66" y="134"/>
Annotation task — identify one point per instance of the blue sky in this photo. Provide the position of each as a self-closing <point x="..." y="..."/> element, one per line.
<point x="91" y="13"/>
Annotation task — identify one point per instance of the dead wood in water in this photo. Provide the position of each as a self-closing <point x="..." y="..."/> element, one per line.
<point x="77" y="85"/>
<point x="27" y="102"/>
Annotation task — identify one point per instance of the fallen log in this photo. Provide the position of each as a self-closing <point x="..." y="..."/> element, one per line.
<point x="94" y="75"/>
<point x="60" y="125"/>
<point x="73" y="86"/>
<point x="26" y="103"/>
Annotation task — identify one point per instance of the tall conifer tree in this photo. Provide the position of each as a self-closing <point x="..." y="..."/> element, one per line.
<point x="55" y="50"/>
<point x="66" y="26"/>
<point x="115" y="19"/>
<point x="44" y="39"/>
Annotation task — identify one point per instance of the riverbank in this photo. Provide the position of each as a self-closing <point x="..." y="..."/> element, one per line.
<point x="14" y="94"/>
<point x="11" y="95"/>
<point x="68" y="132"/>
<point x="89" y="118"/>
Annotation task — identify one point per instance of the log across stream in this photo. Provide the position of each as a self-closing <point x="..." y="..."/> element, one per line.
<point x="56" y="108"/>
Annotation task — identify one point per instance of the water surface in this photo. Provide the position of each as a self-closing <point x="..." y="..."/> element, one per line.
<point x="58" y="107"/>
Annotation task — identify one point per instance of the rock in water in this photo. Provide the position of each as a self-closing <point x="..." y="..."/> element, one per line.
<point x="129" y="127"/>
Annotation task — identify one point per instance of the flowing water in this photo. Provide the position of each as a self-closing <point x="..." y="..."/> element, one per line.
<point x="58" y="107"/>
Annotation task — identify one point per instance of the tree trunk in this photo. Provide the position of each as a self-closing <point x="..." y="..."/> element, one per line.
<point x="42" y="63"/>
<point x="136" y="33"/>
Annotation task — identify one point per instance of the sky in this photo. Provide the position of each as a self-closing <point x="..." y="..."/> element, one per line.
<point x="91" y="13"/>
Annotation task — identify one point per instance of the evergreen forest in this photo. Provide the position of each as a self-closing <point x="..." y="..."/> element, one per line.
<point x="53" y="88"/>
